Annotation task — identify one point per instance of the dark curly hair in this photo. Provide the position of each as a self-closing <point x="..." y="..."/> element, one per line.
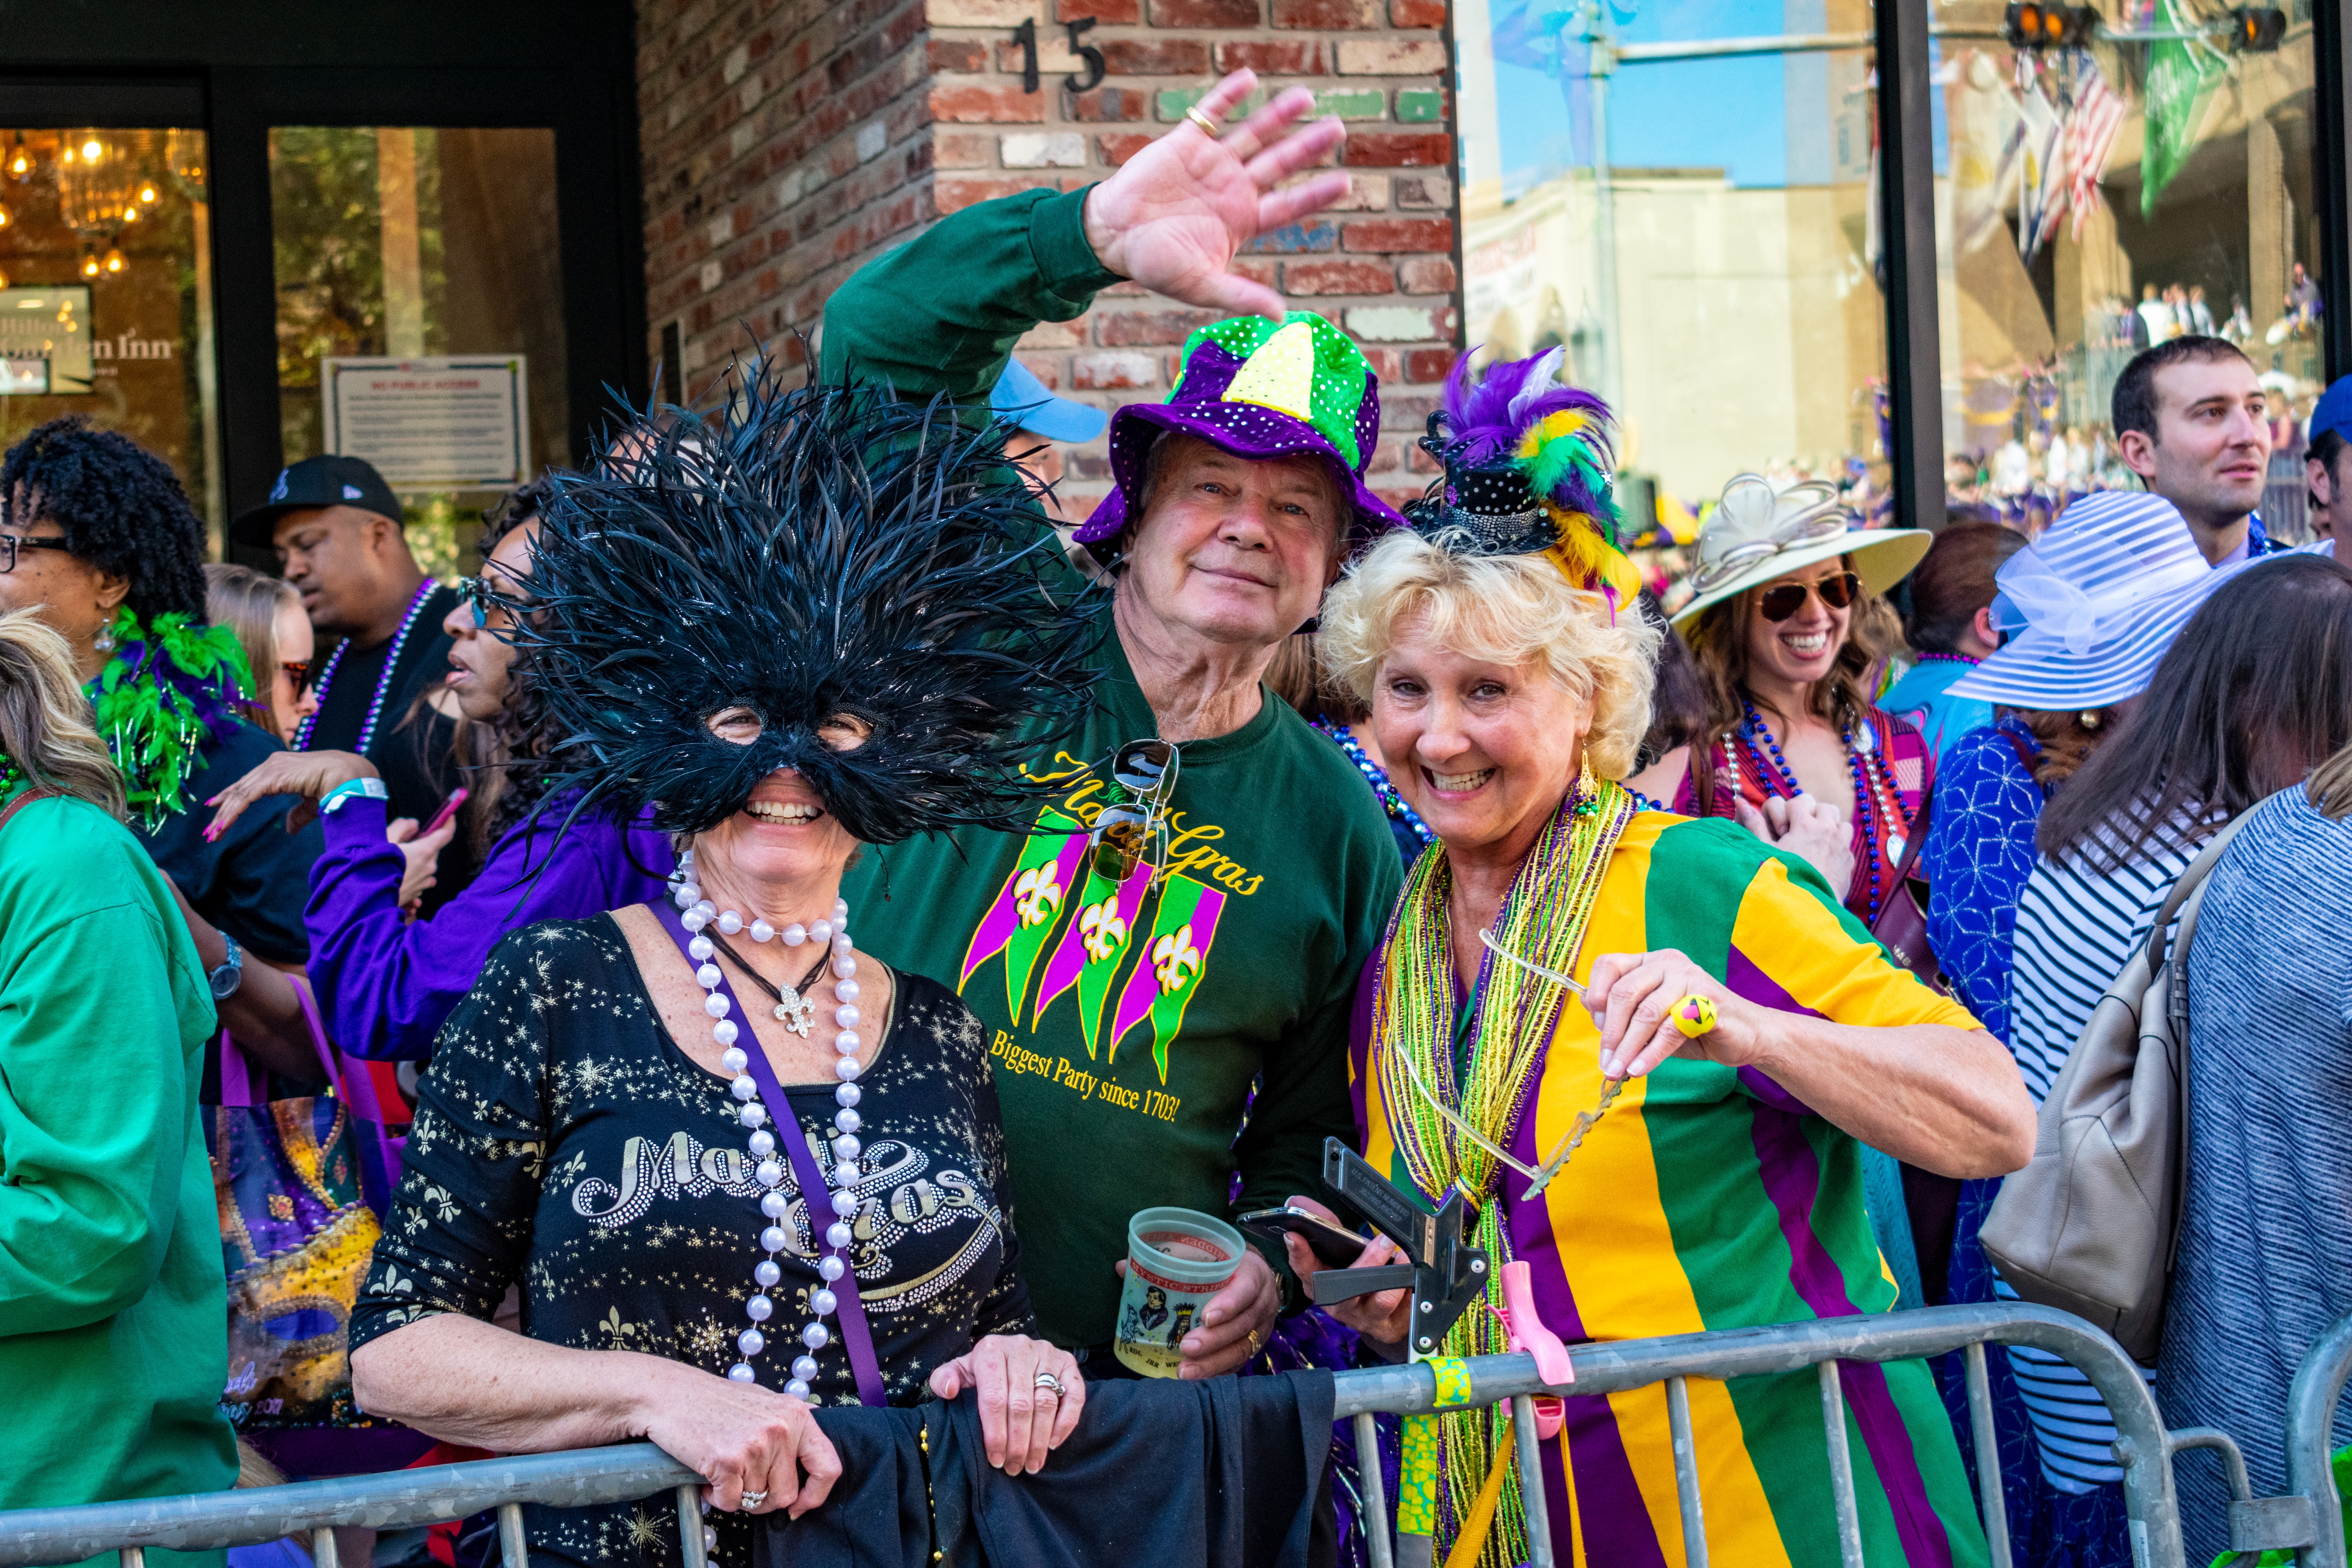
<point x="120" y="505"/>
<point x="516" y="780"/>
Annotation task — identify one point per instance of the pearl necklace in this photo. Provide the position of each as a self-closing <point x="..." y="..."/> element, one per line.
<point x="416" y="604"/>
<point x="699" y="912"/>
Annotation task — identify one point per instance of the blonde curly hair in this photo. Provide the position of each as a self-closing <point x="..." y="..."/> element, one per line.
<point x="1505" y="610"/>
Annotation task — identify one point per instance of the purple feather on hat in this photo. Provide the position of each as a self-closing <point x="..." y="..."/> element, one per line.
<point x="1488" y="419"/>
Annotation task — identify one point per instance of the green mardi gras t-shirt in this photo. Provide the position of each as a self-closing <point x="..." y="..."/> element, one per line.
<point x="1127" y="1022"/>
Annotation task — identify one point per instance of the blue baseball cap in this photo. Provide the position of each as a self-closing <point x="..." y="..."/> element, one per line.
<point x="2334" y="410"/>
<point x="1021" y="397"/>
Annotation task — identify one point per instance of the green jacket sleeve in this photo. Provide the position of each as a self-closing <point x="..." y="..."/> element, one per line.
<point x="95" y="1071"/>
<point x="942" y="314"/>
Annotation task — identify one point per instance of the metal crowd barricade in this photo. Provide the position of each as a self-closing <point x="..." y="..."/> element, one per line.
<point x="2309" y="1519"/>
<point x="584" y="1477"/>
<point x="397" y="1500"/>
<point x="2310" y="1443"/>
<point x="2144" y="1448"/>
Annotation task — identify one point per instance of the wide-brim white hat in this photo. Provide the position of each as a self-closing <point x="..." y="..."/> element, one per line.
<point x="1758" y="533"/>
<point x="2093" y="604"/>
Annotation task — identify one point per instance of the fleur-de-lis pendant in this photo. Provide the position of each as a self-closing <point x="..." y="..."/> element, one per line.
<point x="795" y="1012"/>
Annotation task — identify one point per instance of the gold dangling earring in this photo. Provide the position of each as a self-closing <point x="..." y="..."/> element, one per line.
<point x="1588" y="785"/>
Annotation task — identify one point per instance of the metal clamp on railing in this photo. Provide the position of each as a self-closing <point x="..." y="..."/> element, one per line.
<point x="2256" y="1524"/>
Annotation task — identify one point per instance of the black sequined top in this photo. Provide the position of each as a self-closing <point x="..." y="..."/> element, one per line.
<point x="565" y="1142"/>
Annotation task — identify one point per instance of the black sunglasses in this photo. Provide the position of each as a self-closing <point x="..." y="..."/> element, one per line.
<point x="479" y="597"/>
<point x="1782" y="600"/>
<point x="297" y="671"/>
<point x="12" y="542"/>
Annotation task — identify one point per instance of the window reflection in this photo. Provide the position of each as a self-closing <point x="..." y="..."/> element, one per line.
<point x="405" y="241"/>
<point x="106" y="293"/>
<point x="1699" y="233"/>
<point x="2091" y="202"/>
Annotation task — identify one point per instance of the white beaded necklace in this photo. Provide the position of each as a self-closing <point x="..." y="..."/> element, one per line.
<point x="699" y="912"/>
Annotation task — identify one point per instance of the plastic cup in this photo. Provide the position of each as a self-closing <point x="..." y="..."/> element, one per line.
<point x="1176" y="1259"/>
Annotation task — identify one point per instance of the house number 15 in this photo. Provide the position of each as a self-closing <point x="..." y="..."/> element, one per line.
<point x="1026" y="36"/>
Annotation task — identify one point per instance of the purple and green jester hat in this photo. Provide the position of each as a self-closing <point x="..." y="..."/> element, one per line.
<point x="1259" y="389"/>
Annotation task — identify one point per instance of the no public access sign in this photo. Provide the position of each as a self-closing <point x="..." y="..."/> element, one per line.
<point x="447" y="422"/>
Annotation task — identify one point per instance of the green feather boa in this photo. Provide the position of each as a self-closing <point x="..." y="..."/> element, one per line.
<point x="167" y="688"/>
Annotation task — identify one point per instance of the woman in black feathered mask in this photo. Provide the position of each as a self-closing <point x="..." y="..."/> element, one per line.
<point x="735" y="1164"/>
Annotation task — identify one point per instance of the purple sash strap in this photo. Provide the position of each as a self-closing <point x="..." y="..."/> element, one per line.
<point x="236" y="1088"/>
<point x="355" y="1083"/>
<point x="855" y="1337"/>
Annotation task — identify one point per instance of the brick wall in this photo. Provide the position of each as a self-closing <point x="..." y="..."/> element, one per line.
<point x="783" y="145"/>
<point x="786" y="142"/>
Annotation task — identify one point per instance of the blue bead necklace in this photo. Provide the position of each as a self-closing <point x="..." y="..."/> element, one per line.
<point x="1383" y="787"/>
<point x="1875" y="798"/>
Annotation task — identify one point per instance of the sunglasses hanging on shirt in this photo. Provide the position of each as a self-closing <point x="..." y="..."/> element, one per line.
<point x="1133" y="827"/>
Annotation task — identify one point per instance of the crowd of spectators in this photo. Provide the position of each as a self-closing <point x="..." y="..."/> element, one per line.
<point x="376" y="1087"/>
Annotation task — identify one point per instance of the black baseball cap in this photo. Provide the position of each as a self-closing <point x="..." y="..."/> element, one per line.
<point x="316" y="482"/>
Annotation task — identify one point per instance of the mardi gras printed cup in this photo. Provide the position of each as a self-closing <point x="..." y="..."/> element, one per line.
<point x="1176" y="1259"/>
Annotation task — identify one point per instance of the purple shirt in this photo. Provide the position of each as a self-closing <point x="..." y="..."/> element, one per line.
<point x="386" y="984"/>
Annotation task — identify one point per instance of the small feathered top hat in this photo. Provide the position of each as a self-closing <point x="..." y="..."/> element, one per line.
<point x="1527" y="472"/>
<point x="813" y="562"/>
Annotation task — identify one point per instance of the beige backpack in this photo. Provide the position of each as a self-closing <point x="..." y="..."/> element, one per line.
<point x="2089" y="1225"/>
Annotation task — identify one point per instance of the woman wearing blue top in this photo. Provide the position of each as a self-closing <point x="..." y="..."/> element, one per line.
<point x="2094" y="606"/>
<point x="1949" y="624"/>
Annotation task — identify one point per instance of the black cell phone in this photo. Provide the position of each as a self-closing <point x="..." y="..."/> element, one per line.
<point x="1334" y="1246"/>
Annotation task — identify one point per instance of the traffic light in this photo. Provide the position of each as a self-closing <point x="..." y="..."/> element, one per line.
<point x="2035" y="27"/>
<point x="2255" y="29"/>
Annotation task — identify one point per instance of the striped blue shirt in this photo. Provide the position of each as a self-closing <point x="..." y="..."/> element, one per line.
<point x="2076" y="929"/>
<point x="2265" y="1258"/>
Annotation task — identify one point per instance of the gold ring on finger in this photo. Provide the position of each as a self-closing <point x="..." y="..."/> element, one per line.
<point x="1208" y="126"/>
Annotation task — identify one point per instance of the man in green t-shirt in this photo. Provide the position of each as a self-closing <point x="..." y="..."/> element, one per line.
<point x="1132" y="1011"/>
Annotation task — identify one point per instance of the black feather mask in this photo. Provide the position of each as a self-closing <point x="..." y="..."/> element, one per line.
<point x="820" y="556"/>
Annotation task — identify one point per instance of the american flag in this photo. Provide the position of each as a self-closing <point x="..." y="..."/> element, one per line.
<point x="2090" y="131"/>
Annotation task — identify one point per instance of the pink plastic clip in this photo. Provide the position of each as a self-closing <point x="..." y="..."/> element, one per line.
<point x="1526" y="1328"/>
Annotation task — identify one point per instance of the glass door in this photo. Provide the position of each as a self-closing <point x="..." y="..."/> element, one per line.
<point x="1680" y="196"/>
<point x="106" y="297"/>
<point x="420" y="313"/>
<point x="2175" y="195"/>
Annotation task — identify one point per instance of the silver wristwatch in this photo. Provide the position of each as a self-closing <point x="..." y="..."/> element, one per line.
<point x="230" y="973"/>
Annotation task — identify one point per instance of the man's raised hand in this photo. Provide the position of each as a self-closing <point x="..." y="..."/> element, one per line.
<point x="1174" y="214"/>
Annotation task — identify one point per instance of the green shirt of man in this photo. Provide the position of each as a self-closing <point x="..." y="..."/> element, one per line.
<point x="1130" y="1017"/>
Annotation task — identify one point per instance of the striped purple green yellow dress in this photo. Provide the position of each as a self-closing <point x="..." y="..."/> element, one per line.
<point x="1709" y="1198"/>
